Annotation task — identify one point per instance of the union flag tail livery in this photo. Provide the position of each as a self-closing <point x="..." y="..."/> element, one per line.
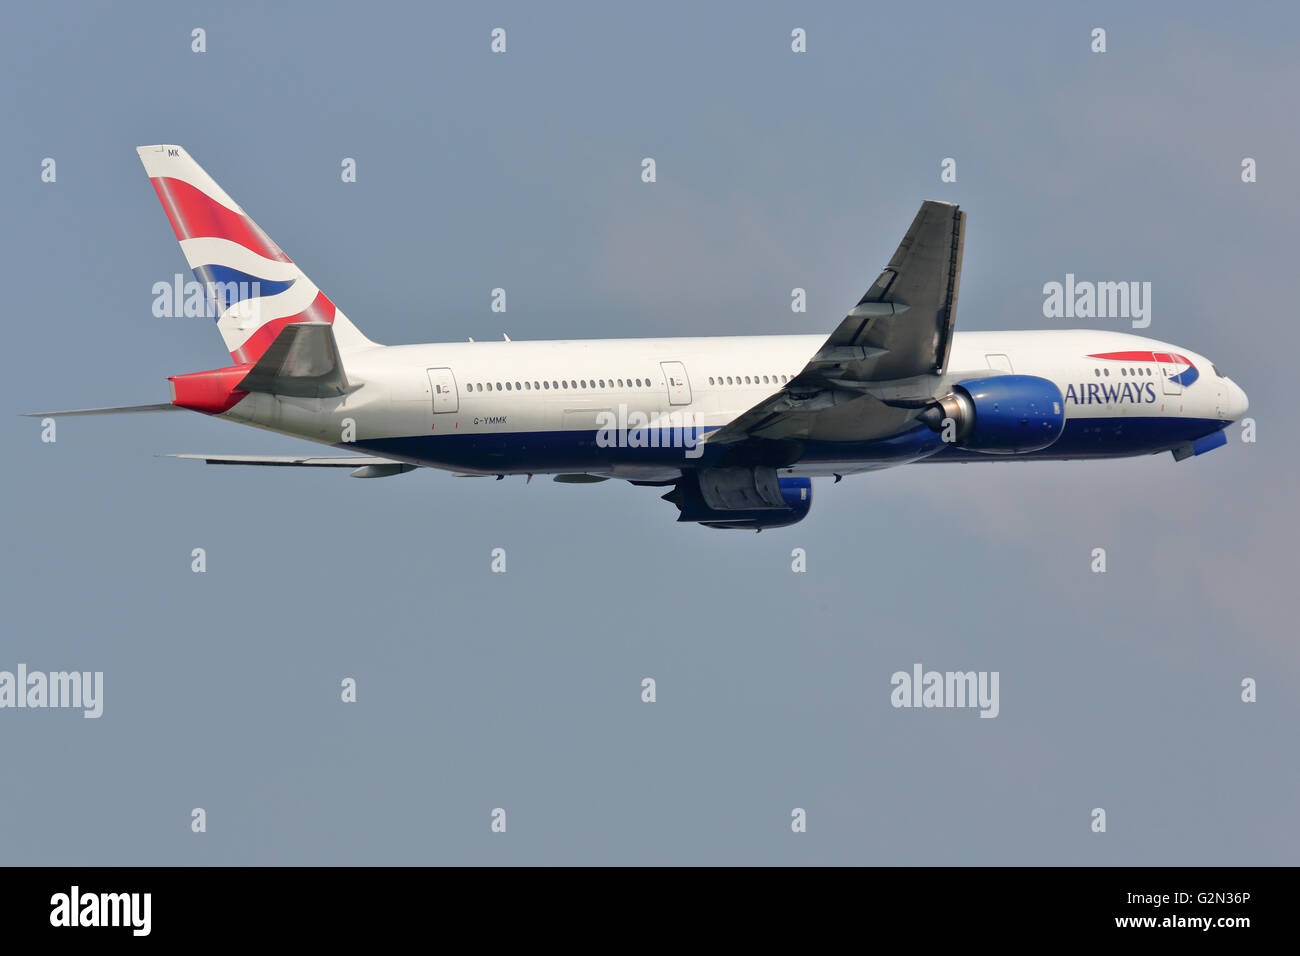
<point x="731" y="430"/>
<point x="256" y="289"/>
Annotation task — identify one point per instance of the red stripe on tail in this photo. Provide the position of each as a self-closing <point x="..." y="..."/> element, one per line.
<point x="196" y="215"/>
<point x="321" y="310"/>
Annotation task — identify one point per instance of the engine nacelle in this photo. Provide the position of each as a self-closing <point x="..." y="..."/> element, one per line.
<point x="746" y="498"/>
<point x="1002" y="415"/>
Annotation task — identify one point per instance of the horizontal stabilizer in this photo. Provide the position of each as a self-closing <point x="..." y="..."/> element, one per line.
<point x="364" y="466"/>
<point x="291" y="461"/>
<point x="116" y="410"/>
<point x="303" y="361"/>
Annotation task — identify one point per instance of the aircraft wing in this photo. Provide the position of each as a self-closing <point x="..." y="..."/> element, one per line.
<point x="900" y="329"/>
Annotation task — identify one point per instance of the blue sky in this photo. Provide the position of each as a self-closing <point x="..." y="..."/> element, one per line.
<point x="522" y="690"/>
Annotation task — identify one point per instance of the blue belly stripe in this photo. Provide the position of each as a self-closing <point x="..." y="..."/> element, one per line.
<point x="549" y="451"/>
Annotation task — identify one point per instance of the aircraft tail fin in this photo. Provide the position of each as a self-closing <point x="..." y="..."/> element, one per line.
<point x="255" y="288"/>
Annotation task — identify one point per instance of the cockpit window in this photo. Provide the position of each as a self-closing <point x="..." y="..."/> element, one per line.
<point x="1217" y="372"/>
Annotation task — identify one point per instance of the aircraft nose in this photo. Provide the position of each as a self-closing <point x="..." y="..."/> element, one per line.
<point x="1237" y="401"/>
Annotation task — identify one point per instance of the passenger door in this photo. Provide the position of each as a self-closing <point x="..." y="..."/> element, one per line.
<point x="1168" y="369"/>
<point x="443" y="384"/>
<point x="679" y="386"/>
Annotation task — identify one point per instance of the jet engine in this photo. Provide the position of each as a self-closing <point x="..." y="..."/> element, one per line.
<point x="1003" y="415"/>
<point x="747" y="498"/>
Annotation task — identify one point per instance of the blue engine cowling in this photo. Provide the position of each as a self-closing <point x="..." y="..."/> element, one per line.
<point x="1003" y="415"/>
<point x="796" y="493"/>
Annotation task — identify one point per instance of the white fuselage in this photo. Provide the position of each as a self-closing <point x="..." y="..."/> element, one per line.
<point x="534" y="407"/>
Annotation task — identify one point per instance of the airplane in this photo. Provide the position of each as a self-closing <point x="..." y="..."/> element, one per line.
<point x="734" y="427"/>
